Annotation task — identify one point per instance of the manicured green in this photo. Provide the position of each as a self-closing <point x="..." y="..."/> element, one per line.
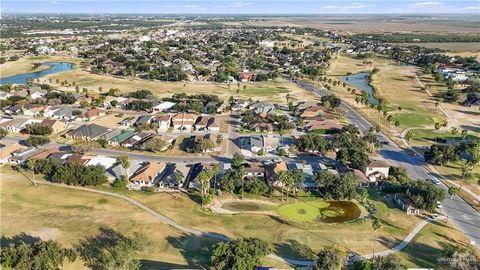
<point x="303" y="211"/>
<point x="412" y="119"/>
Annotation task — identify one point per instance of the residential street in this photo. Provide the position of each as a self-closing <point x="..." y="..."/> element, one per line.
<point x="465" y="217"/>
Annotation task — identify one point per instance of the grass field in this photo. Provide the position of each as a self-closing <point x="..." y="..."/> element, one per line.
<point x="394" y="83"/>
<point x="303" y="211"/>
<point x="70" y="215"/>
<point x="428" y="245"/>
<point x="274" y="91"/>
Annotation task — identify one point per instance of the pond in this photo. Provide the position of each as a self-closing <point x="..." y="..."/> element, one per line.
<point x="321" y="211"/>
<point x="360" y="81"/>
<point x="23" y="78"/>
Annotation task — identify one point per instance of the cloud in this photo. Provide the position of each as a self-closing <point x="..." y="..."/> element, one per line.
<point x="356" y="6"/>
<point x="183" y="6"/>
<point x="52" y="2"/>
<point x="241" y="4"/>
<point x="472" y="8"/>
<point x="425" y="4"/>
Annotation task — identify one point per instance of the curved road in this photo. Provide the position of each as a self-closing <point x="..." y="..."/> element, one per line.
<point x="221" y="237"/>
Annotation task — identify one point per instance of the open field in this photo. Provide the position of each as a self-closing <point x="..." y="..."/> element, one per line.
<point x="274" y="91"/>
<point x="430" y="242"/>
<point x="473" y="48"/>
<point x="453" y="171"/>
<point x="366" y="23"/>
<point x="394" y="83"/>
<point x="24" y="65"/>
<point x="69" y="215"/>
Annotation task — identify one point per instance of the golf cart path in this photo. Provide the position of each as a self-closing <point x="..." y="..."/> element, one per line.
<point x="221" y="237"/>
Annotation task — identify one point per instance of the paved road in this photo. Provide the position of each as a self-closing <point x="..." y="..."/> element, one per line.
<point x="464" y="216"/>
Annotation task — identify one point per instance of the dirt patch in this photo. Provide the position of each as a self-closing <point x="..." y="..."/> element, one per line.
<point x="47" y="233"/>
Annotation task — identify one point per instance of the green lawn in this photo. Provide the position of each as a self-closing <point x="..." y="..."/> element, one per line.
<point x="414" y="119"/>
<point x="427" y="136"/>
<point x="264" y="91"/>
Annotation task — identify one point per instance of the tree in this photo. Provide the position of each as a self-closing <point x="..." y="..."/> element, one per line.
<point x="376" y="225"/>
<point x="452" y="191"/>
<point x="461" y="258"/>
<point x="31" y="164"/>
<point x="464" y="134"/>
<point x="440" y="154"/>
<point x="205" y="176"/>
<point x="36" y="140"/>
<point x="155" y="145"/>
<point x="331" y="258"/>
<point x="237" y="160"/>
<point x="3" y="133"/>
<point x="38" y="129"/>
<point x="125" y="163"/>
<point x="285" y="178"/>
<point x="240" y="254"/>
<point x="112" y="250"/>
<point x="410" y="135"/>
<point x="219" y="139"/>
<point x="40" y="255"/>
<point x="424" y="194"/>
<point x="388" y="262"/>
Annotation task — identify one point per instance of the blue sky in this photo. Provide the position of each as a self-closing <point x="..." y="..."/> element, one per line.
<point x="244" y="7"/>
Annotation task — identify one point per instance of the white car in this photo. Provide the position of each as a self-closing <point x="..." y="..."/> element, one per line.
<point x="434" y="216"/>
<point x="436" y="182"/>
<point x="292" y="156"/>
<point x="277" y="160"/>
<point x="439" y="205"/>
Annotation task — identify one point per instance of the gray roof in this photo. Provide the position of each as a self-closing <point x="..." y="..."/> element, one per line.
<point x="90" y="131"/>
<point x="112" y="134"/>
<point x="67" y="111"/>
<point x="117" y="171"/>
<point x="256" y="140"/>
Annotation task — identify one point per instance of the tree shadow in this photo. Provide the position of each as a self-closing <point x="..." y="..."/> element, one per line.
<point x="16" y="239"/>
<point x="90" y="248"/>
<point x="293" y="249"/>
<point x="195" y="249"/>
<point x="156" y="265"/>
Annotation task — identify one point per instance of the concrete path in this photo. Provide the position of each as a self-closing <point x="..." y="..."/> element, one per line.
<point x="221" y="237"/>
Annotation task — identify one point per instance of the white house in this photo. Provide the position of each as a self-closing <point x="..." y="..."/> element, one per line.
<point x="376" y="170"/>
<point x="163" y="107"/>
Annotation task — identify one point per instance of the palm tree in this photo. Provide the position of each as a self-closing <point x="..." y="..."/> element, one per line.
<point x="179" y="178"/>
<point x="376" y="225"/>
<point x="205" y="176"/>
<point x="287" y="97"/>
<point x="283" y="178"/>
<point x="452" y="191"/>
<point x="31" y="164"/>
<point x="125" y="163"/>
<point x="464" y="134"/>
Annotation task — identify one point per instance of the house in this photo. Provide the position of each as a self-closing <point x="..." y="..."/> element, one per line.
<point x="312" y="111"/>
<point x="103" y="161"/>
<point x="270" y="143"/>
<point x="44" y="154"/>
<point x="107" y="136"/>
<point x="214" y="124"/>
<point x="326" y="126"/>
<point x="87" y="132"/>
<point x="406" y="204"/>
<point x="117" y="139"/>
<point x="33" y="109"/>
<point x="173" y="177"/>
<point x="164" y="122"/>
<point x="246" y="76"/>
<point x="78" y="159"/>
<point x="192" y="181"/>
<point x="362" y="179"/>
<point x="6" y="152"/>
<point x="254" y="170"/>
<point x="144" y="120"/>
<point x="130" y="121"/>
<point x="67" y="113"/>
<point x="376" y="170"/>
<point x="183" y="121"/>
<point x="13" y="125"/>
<point x="239" y="105"/>
<point x="201" y="123"/>
<point x="197" y="139"/>
<point x="117" y="171"/>
<point x="56" y="125"/>
<point x="263" y="108"/>
<point x="167" y="139"/>
<point x="19" y="156"/>
<point x="307" y="170"/>
<point x="256" y="143"/>
<point x="259" y="126"/>
<point x="272" y="171"/>
<point x="91" y="115"/>
<point x="146" y="175"/>
<point x="50" y="110"/>
<point x="136" y="140"/>
<point x="13" y="110"/>
<point x="163" y="107"/>
<point x="36" y="92"/>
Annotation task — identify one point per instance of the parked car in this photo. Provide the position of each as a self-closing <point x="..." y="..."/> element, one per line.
<point x="439" y="204"/>
<point x="292" y="155"/>
<point x="276" y="160"/>
<point x="436" y="181"/>
<point x="434" y="216"/>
